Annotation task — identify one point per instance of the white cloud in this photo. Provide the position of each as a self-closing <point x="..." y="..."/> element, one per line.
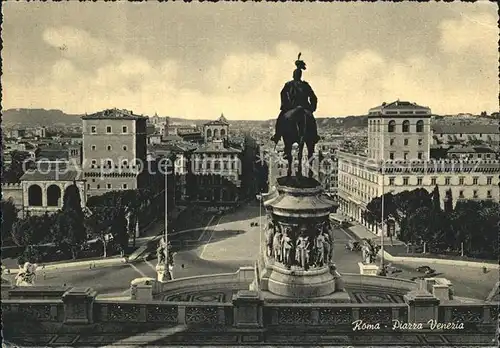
<point x="471" y="34"/>
<point x="247" y="86"/>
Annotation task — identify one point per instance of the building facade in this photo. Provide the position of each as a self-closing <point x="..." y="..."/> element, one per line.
<point x="114" y="150"/>
<point x="215" y="130"/>
<point x="216" y="171"/>
<point x="363" y="178"/>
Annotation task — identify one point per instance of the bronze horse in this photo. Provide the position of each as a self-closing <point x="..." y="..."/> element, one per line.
<point x="297" y="129"/>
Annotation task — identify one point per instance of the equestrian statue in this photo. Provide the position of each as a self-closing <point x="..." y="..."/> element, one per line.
<point x="296" y="122"/>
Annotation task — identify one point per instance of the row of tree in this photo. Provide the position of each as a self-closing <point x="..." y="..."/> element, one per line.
<point x="114" y="216"/>
<point x="471" y="226"/>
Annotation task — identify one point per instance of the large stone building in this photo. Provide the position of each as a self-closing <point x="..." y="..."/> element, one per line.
<point x="218" y="129"/>
<point x="465" y="133"/>
<point x="398" y="160"/>
<point x="217" y="172"/>
<point x="41" y="190"/>
<point x="114" y="151"/>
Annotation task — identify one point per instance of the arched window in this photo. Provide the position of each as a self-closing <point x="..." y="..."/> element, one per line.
<point x="216" y="133"/>
<point x="378" y="125"/>
<point x="53" y="196"/>
<point x="209" y="133"/>
<point x="35" y="196"/>
<point x="391" y="126"/>
<point x="420" y="126"/>
<point x="406" y="126"/>
<point x="222" y="133"/>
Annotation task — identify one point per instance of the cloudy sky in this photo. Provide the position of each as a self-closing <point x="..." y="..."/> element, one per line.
<point x="198" y="60"/>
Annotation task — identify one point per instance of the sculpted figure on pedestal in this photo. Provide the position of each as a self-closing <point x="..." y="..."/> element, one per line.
<point x="320" y="249"/>
<point x="369" y="251"/>
<point x="302" y="255"/>
<point x="287" y="247"/>
<point x="26" y="275"/>
<point x="277" y="245"/>
<point x="270" y="231"/>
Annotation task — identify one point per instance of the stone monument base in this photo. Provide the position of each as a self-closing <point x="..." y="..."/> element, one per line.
<point x="332" y="284"/>
<point x="163" y="273"/>
<point x="300" y="283"/>
<point x="368" y="268"/>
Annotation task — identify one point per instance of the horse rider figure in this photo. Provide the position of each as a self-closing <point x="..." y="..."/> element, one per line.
<point x="297" y="93"/>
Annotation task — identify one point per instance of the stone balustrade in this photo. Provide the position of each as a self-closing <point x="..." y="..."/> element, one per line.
<point x="81" y="306"/>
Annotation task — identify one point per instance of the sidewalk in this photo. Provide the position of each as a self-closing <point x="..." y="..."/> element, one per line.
<point x="82" y="264"/>
<point x="359" y="232"/>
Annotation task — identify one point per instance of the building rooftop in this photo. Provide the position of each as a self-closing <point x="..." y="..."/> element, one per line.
<point x="471" y="149"/>
<point x="400" y="107"/>
<point x="52" y="173"/>
<point x="465" y="128"/>
<point x="220" y="121"/>
<point x="216" y="147"/>
<point x="114" y="114"/>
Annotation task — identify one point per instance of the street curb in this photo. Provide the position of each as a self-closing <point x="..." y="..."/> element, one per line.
<point x="76" y="264"/>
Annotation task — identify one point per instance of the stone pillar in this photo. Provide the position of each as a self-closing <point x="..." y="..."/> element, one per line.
<point x="422" y="307"/>
<point x="78" y="305"/>
<point x="44" y="194"/>
<point x="247" y="307"/>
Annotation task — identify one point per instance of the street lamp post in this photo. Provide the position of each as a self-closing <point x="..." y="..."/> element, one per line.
<point x="382" y="267"/>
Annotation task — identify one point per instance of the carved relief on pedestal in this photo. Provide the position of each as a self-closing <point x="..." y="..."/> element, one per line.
<point x="301" y="244"/>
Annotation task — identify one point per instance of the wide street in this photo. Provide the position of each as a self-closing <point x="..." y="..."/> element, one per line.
<point x="228" y="242"/>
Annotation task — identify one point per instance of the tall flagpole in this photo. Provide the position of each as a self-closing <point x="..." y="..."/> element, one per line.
<point x="383" y="207"/>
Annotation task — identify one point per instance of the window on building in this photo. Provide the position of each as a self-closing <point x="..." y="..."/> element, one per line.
<point x="420" y="181"/>
<point x="489" y="180"/>
<point x="108" y="186"/>
<point x="406" y="126"/>
<point x="124" y="129"/>
<point x="124" y="186"/>
<point x="406" y="181"/>
<point x="420" y="126"/>
<point x="461" y="180"/>
<point x="406" y="141"/>
<point x="488" y="194"/>
<point x="391" y="155"/>
<point x="405" y="155"/>
<point x="94" y="162"/>
<point x="391" y="141"/>
<point x="447" y="180"/>
<point x="420" y="142"/>
<point x="109" y="163"/>
<point x="125" y="163"/>
<point x="461" y="194"/>
<point x="98" y="186"/>
<point x="209" y="165"/>
<point x="391" y="181"/>
<point x="433" y="181"/>
<point x="88" y="186"/>
<point x="109" y="147"/>
<point x="391" y="126"/>
<point x="93" y="147"/>
<point x="124" y="147"/>
<point x="475" y="180"/>
<point x="108" y="129"/>
<point x="475" y="194"/>
<point x="93" y="129"/>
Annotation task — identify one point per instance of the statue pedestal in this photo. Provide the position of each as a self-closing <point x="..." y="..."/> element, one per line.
<point x="299" y="283"/>
<point x="368" y="268"/>
<point x="163" y="273"/>
<point x="299" y="212"/>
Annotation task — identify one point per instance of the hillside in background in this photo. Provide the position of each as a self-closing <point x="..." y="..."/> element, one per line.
<point x="42" y="117"/>
<point x="37" y="117"/>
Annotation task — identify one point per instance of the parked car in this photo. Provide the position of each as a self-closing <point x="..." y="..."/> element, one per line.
<point x="353" y="246"/>
<point x="425" y="269"/>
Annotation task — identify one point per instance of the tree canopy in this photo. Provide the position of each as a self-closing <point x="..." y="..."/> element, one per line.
<point x="421" y="219"/>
